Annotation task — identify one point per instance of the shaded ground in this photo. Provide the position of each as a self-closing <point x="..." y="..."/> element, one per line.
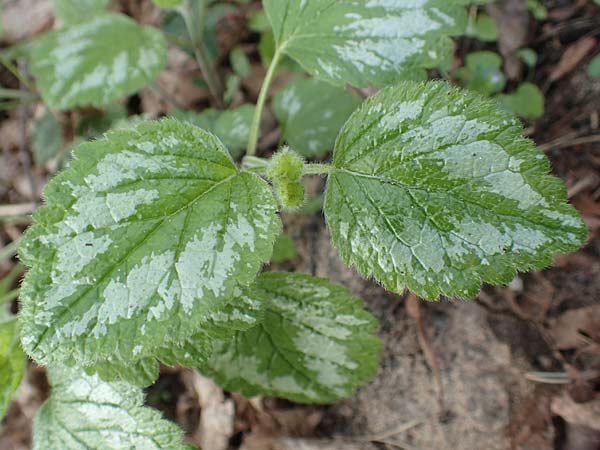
<point x="516" y="368"/>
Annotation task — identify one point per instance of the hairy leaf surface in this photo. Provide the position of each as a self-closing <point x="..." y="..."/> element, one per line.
<point x="435" y="189"/>
<point x="364" y="42"/>
<point x="148" y="232"/>
<point x="85" y="412"/>
<point x="12" y="361"/>
<point x="96" y="62"/>
<point x="311" y="113"/>
<point x="315" y="344"/>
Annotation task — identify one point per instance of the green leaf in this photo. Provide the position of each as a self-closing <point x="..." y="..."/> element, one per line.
<point x="240" y="62"/>
<point x="311" y="113"/>
<point x="232" y="126"/>
<point x="528" y="56"/>
<point x="483" y="73"/>
<point x="365" y="42"/>
<point x="284" y="249"/>
<point x="594" y="67"/>
<point x="483" y="28"/>
<point x="527" y="101"/>
<point x="46" y="138"/>
<point x="148" y="232"/>
<point x="73" y="11"/>
<point x="96" y="62"/>
<point x="12" y="361"/>
<point x="167" y="3"/>
<point x="85" y="412"/>
<point x="315" y="344"/>
<point x="435" y="189"/>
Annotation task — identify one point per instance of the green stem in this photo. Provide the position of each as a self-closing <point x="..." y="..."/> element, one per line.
<point x="193" y="13"/>
<point x="14" y="70"/>
<point x="262" y="100"/>
<point x="317" y="169"/>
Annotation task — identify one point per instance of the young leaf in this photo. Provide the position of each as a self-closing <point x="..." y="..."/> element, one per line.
<point x="315" y="344"/>
<point x="483" y="73"/>
<point x="96" y="62"/>
<point x="85" y="412"/>
<point x="527" y="101"/>
<point x="435" y="189"/>
<point x="12" y="360"/>
<point x="365" y="42"/>
<point x="311" y="112"/>
<point x="148" y="232"/>
<point x="73" y="11"/>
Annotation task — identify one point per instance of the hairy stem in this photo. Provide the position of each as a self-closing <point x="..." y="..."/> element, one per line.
<point x="317" y="169"/>
<point x="193" y="13"/>
<point x="262" y="100"/>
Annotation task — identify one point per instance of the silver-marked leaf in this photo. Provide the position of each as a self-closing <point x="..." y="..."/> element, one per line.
<point x="315" y="344"/>
<point x="12" y="361"/>
<point x="364" y="42"/>
<point x="435" y="189"/>
<point x="96" y="62"/>
<point x="84" y="412"/>
<point x="148" y="232"/>
<point x="73" y="11"/>
<point x="311" y="113"/>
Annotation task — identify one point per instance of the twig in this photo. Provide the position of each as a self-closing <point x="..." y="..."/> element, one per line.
<point x="9" y="250"/>
<point x="23" y="150"/>
<point x="20" y="209"/>
<point x="560" y="377"/>
<point x="413" y="307"/>
<point x="568" y="141"/>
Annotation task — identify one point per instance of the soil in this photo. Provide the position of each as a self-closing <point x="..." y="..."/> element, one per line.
<point x="518" y="367"/>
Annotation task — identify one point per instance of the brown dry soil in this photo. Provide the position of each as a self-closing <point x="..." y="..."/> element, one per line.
<point x="516" y="368"/>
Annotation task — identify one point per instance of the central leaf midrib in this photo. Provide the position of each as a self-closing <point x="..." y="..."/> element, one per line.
<point x="398" y="183"/>
<point x="128" y="254"/>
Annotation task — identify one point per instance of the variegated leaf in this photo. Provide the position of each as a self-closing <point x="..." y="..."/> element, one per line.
<point x="315" y="344"/>
<point x="435" y="189"/>
<point x="148" y="233"/>
<point x="84" y="412"/>
<point x="97" y="61"/>
<point x="364" y="42"/>
<point x="73" y="11"/>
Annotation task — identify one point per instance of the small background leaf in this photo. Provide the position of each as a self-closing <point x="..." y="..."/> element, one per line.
<point x="527" y="101"/>
<point x="483" y="73"/>
<point x="311" y="113"/>
<point x="46" y="138"/>
<point x="96" y="62"/>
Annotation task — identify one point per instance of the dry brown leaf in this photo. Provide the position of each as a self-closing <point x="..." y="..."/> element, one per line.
<point x="572" y="56"/>
<point x="576" y="328"/>
<point x="217" y="416"/>
<point x="587" y="414"/>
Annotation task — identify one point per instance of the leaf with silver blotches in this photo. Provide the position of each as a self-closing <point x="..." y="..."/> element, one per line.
<point x="96" y="62"/>
<point x="86" y="412"/>
<point x="12" y="360"/>
<point x="148" y="232"/>
<point x="364" y="42"/>
<point x="311" y="113"/>
<point x="315" y="344"/>
<point x="435" y="189"/>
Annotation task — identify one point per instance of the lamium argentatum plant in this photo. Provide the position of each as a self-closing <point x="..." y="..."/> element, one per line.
<point x="151" y="245"/>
